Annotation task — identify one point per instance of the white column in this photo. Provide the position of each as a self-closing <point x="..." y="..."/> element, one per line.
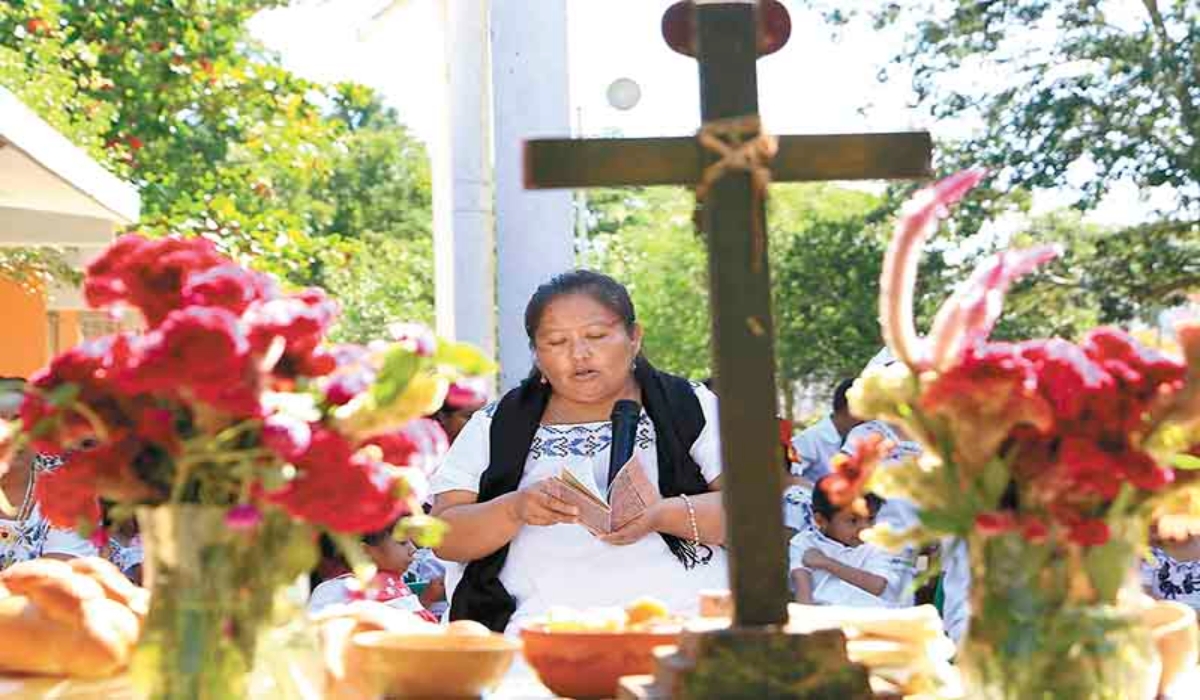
<point x="464" y="246"/>
<point x="534" y="236"/>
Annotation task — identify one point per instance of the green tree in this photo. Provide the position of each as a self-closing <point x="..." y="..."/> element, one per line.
<point x="826" y="251"/>
<point x="645" y="239"/>
<point x="1101" y="92"/>
<point x="223" y="142"/>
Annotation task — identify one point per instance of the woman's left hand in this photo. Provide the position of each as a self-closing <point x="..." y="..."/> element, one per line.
<point x="633" y="530"/>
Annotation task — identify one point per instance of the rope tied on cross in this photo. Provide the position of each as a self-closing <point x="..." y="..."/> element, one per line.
<point x="740" y="144"/>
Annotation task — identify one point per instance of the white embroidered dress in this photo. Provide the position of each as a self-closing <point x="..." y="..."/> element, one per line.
<point x="28" y="535"/>
<point x="565" y="565"/>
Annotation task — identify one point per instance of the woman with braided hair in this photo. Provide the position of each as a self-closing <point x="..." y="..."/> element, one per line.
<point x="516" y="549"/>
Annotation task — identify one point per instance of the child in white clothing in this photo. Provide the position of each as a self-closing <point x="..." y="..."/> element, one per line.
<point x="830" y="563"/>
<point x="392" y="557"/>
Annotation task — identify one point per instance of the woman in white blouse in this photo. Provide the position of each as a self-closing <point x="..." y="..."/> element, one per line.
<point x="515" y="548"/>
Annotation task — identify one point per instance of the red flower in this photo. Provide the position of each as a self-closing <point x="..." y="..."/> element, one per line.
<point x="110" y="465"/>
<point x="983" y="398"/>
<point x="148" y="274"/>
<point x="1088" y="532"/>
<point x="1067" y="377"/>
<point x="90" y="369"/>
<point x="340" y="489"/>
<point x="850" y="473"/>
<point x="286" y="436"/>
<point x="421" y="444"/>
<point x="230" y="287"/>
<point x="67" y="496"/>
<point x="997" y="522"/>
<point x="201" y="351"/>
<point x="1090" y="468"/>
<point x="301" y="320"/>
<point x="1034" y="530"/>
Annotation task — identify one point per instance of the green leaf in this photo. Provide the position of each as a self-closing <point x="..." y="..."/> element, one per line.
<point x="1185" y="461"/>
<point x="943" y="521"/>
<point x="1107" y="566"/>
<point x="399" y="367"/>
<point x="994" y="481"/>
<point x="63" y="395"/>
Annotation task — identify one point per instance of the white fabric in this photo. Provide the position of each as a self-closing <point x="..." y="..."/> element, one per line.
<point x="956" y="588"/>
<point x="828" y="589"/>
<point x="815" y="445"/>
<point x="34" y="537"/>
<point x="897" y="513"/>
<point x="336" y="590"/>
<point x="564" y="565"/>
<point x="797" y="508"/>
<point x="1167" y="578"/>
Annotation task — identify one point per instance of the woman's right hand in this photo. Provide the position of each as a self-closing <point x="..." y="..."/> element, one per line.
<point x="537" y="504"/>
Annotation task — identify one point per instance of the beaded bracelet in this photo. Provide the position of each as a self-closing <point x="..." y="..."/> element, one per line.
<point x="692" y="519"/>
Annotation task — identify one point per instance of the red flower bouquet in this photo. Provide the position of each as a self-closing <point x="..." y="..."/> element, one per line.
<point x="1049" y="457"/>
<point x="229" y="408"/>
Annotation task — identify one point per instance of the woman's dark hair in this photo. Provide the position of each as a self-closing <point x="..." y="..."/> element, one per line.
<point x="378" y="537"/>
<point x="823" y="506"/>
<point x="839" y="395"/>
<point x="597" y="285"/>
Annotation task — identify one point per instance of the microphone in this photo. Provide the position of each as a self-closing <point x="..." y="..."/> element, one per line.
<point x="625" y="415"/>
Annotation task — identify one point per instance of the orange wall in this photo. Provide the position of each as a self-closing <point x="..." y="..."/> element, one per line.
<point x="24" y="334"/>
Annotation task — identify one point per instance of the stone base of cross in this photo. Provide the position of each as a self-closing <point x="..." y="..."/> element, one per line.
<point x="730" y="163"/>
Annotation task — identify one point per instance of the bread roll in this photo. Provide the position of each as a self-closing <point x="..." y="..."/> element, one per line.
<point x="116" y="586"/>
<point x="49" y="647"/>
<point x="71" y="619"/>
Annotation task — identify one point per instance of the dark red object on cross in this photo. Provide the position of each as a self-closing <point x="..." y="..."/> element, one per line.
<point x="678" y="27"/>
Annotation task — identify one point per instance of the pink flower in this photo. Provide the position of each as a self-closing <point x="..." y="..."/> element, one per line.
<point x="468" y="393"/>
<point x="99" y="538"/>
<point x="917" y="222"/>
<point x="286" y="436"/>
<point x="968" y="316"/>
<point x="243" y="517"/>
<point x="414" y="337"/>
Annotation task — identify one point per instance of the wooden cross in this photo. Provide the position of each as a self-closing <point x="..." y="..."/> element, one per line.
<point x="733" y="220"/>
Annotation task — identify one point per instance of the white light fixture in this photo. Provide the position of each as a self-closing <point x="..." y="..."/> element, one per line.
<point x="624" y="94"/>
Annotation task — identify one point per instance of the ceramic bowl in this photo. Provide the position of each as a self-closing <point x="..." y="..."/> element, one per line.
<point x="432" y="665"/>
<point x="590" y="664"/>
<point x="1177" y="638"/>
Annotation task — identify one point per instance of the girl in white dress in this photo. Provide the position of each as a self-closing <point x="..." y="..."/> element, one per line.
<point x="514" y="549"/>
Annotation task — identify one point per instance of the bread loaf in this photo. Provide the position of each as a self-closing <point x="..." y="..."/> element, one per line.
<point x="71" y="619"/>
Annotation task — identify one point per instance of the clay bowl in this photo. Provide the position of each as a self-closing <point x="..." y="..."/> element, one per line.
<point x="1176" y="636"/>
<point x="590" y="664"/>
<point x="432" y="665"/>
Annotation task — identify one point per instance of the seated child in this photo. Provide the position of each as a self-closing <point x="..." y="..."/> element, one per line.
<point x="426" y="576"/>
<point x="1173" y="571"/>
<point x="831" y="565"/>
<point x="392" y="557"/>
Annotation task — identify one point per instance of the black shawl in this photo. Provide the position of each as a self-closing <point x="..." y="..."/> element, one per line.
<point x="672" y="406"/>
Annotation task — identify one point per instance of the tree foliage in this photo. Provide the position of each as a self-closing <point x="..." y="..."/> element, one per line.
<point x="1068" y="94"/>
<point x="826" y="251"/>
<point x="223" y="142"/>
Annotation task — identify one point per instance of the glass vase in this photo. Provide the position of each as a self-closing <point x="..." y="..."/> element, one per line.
<point x="1054" y="620"/>
<point x="216" y="591"/>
